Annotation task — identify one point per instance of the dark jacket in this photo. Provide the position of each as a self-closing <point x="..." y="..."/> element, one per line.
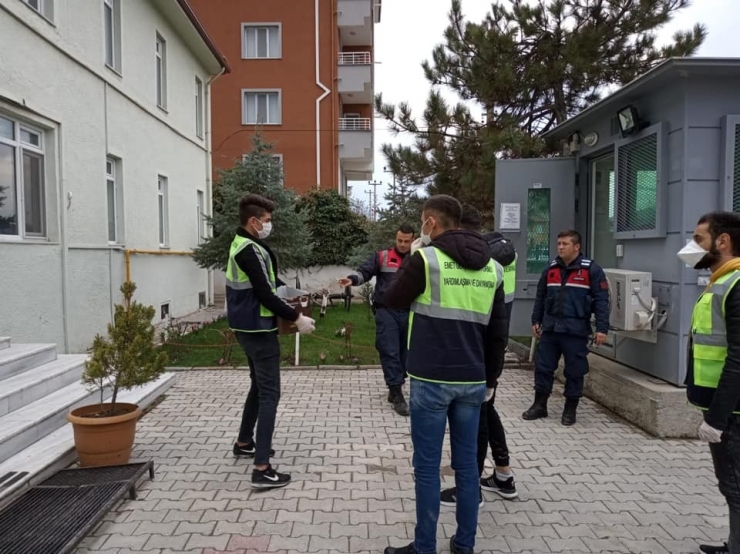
<point x="372" y="268"/>
<point x="725" y="399"/>
<point x="250" y="263"/>
<point x="469" y="250"/>
<point x="568" y="295"/>
<point x="502" y="249"/>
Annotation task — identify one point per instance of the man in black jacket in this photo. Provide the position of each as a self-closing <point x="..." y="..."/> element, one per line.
<point x="456" y="352"/>
<point x="253" y="308"/>
<point x="490" y="428"/>
<point x="391" y="326"/>
<point x="713" y="373"/>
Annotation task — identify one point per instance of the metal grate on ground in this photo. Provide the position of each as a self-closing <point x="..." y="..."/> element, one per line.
<point x="637" y="185"/>
<point x="55" y="516"/>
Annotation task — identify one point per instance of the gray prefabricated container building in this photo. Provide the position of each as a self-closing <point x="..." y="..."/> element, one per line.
<point x="634" y="199"/>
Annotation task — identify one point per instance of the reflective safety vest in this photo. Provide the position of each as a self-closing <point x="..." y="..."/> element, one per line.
<point x="245" y="313"/>
<point x="510" y="280"/>
<point x="709" y="336"/>
<point x="447" y="323"/>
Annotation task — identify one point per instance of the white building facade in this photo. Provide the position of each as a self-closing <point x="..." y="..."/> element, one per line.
<point x="104" y="150"/>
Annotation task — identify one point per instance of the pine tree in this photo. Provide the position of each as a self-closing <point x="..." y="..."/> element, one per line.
<point x="128" y="357"/>
<point x="530" y="66"/>
<point x="258" y="173"/>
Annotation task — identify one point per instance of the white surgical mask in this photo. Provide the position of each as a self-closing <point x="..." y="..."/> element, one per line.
<point x="265" y="231"/>
<point x="692" y="254"/>
<point x="425" y="238"/>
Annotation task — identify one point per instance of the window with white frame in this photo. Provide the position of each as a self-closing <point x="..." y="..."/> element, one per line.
<point x="22" y="180"/>
<point x="199" y="107"/>
<point x="261" y="40"/>
<point x="111" y="191"/>
<point x="162" y="211"/>
<point x="112" y="30"/>
<point x="161" y="69"/>
<point x="201" y="221"/>
<point x="261" y="107"/>
<point x="44" y="7"/>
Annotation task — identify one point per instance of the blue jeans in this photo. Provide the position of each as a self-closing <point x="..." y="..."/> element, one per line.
<point x="391" y="338"/>
<point x="432" y="405"/>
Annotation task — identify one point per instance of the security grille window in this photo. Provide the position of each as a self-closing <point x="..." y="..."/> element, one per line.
<point x="538" y="230"/>
<point x="637" y="185"/>
<point x="736" y="172"/>
<point x="261" y="41"/>
<point x="22" y="181"/>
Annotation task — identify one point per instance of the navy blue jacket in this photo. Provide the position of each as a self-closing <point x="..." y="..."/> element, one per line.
<point x="568" y="295"/>
<point x="382" y="265"/>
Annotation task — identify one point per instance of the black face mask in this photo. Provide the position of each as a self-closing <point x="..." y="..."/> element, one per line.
<point x="711" y="258"/>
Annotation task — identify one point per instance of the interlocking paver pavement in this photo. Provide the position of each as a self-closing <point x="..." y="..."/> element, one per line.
<point x="600" y="486"/>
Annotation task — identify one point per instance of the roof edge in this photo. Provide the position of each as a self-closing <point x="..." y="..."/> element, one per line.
<point x="658" y="70"/>
<point x="185" y="7"/>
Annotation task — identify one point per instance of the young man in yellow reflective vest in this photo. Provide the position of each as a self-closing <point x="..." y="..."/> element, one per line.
<point x="713" y="372"/>
<point x="490" y="428"/>
<point x="457" y="330"/>
<point x="252" y="307"/>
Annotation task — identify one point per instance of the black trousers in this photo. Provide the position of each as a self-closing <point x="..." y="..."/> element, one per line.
<point x="726" y="457"/>
<point x="491" y="433"/>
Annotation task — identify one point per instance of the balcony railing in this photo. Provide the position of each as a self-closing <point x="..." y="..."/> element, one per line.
<point x="355" y="124"/>
<point x="354" y="58"/>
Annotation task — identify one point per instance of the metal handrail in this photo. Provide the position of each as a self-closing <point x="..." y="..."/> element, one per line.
<point x="354" y="58"/>
<point x="355" y="124"/>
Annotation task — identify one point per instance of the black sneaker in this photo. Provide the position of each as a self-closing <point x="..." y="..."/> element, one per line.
<point x="506" y="489"/>
<point x="269" y="479"/>
<point x="247" y="451"/>
<point x="448" y="497"/>
<point x="710" y="549"/>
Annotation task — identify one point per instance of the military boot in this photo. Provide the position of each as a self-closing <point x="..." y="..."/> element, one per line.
<point x="538" y="408"/>
<point x="569" y="412"/>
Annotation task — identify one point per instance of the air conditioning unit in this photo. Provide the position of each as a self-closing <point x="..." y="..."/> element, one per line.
<point x="631" y="299"/>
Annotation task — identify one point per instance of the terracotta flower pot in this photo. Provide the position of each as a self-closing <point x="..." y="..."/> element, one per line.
<point x="104" y="441"/>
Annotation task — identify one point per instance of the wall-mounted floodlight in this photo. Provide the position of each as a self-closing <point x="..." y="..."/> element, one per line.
<point x="629" y="121"/>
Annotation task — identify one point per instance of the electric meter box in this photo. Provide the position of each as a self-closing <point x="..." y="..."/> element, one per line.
<point x="631" y="299"/>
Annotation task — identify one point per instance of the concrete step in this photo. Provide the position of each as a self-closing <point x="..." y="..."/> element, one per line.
<point x="27" y="387"/>
<point x="22" y="357"/>
<point x="4" y="343"/>
<point x="23" y="427"/>
<point x="56" y="450"/>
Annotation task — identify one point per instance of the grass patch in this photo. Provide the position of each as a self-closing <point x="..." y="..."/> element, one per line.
<point x="208" y="346"/>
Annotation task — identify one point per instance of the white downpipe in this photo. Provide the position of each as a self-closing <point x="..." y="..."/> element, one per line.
<point x="319" y="99"/>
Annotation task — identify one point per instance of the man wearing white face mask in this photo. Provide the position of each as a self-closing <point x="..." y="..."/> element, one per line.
<point x="253" y="308"/>
<point x="713" y="373"/>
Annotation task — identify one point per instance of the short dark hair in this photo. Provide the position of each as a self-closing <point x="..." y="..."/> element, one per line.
<point x="254" y="205"/>
<point x="406" y="229"/>
<point x="447" y="209"/>
<point x="470" y="218"/>
<point x="573" y="235"/>
<point x="724" y="222"/>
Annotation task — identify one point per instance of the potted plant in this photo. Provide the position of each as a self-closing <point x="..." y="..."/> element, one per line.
<point x="104" y="432"/>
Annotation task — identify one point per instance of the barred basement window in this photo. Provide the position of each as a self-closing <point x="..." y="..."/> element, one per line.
<point x="637" y="185"/>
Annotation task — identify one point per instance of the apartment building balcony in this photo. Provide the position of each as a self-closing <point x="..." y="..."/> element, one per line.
<point x="355" y="77"/>
<point x="356" y="147"/>
<point x="355" y="19"/>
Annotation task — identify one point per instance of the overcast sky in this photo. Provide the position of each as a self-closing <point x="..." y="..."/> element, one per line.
<point x="410" y="29"/>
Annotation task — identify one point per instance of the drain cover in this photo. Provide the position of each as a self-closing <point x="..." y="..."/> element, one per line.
<point x="54" y="516"/>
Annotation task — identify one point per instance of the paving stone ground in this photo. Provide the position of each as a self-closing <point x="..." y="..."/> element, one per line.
<point x="600" y="486"/>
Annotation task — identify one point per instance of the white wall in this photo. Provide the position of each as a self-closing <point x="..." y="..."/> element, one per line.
<point x="55" y="76"/>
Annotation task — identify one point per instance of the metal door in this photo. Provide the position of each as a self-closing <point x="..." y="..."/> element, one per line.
<point x="535" y="200"/>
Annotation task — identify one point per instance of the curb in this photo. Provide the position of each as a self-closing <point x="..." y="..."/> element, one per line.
<point x="288" y="368"/>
